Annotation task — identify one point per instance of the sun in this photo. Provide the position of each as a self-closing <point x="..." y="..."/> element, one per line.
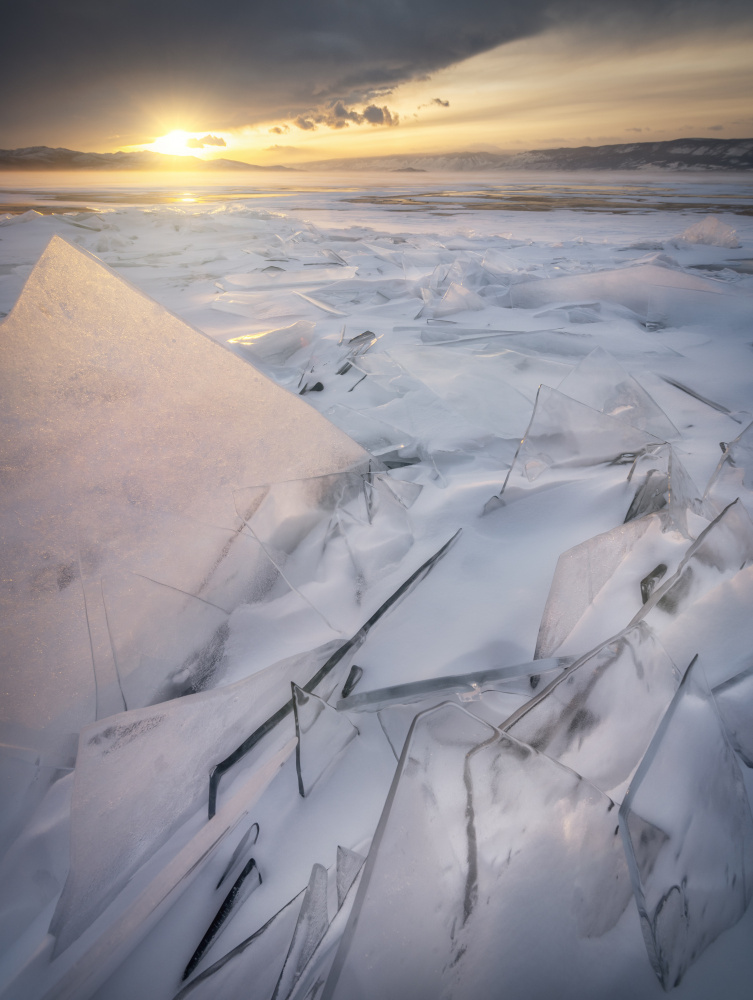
<point x="174" y="143"/>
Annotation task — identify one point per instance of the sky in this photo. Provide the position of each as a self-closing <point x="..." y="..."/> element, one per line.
<point x="289" y="81"/>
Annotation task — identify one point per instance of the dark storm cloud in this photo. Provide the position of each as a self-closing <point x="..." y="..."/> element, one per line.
<point x="108" y="66"/>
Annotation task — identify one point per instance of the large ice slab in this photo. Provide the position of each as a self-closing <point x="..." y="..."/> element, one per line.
<point x="485" y="846"/>
<point x="688" y="833"/>
<point x="599" y="716"/>
<point x="601" y="382"/>
<point x="600" y="583"/>
<point x="659" y="296"/>
<point x="110" y="403"/>
<point x="140" y="774"/>
<point x="733" y="476"/>
<point x="565" y="436"/>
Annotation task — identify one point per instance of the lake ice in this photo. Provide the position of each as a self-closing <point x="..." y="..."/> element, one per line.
<point x="377" y="594"/>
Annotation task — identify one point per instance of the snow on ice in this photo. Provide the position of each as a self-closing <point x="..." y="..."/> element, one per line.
<point x="376" y="603"/>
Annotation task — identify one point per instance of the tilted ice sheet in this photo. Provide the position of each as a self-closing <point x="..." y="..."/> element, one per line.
<point x="564" y="436"/>
<point x="599" y="716"/>
<point x="600" y="381"/>
<point x="734" y="699"/>
<point x="139" y="774"/>
<point x="596" y="584"/>
<point x="659" y="296"/>
<point x="456" y="870"/>
<point x="688" y="833"/>
<point x="139" y="411"/>
<point x="733" y="477"/>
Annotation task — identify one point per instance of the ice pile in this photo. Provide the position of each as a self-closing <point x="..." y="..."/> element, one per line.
<point x="445" y="696"/>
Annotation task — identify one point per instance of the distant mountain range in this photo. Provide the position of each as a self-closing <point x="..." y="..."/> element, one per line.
<point x="46" y="158"/>
<point x="677" y="154"/>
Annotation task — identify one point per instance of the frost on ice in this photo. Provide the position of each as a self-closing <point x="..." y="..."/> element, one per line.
<point x="294" y="709"/>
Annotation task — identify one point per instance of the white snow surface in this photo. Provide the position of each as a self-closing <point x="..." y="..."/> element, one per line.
<point x="525" y="378"/>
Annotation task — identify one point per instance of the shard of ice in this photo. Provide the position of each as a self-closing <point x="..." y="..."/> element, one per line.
<point x="711" y="231"/>
<point x="601" y="382"/>
<point x="141" y="773"/>
<point x="661" y="482"/>
<point x="111" y="403"/>
<point x="474" y="388"/>
<point x="734" y="699"/>
<point x="275" y="347"/>
<point x="733" y="476"/>
<point x="310" y="928"/>
<point x="322" y="734"/>
<point x="332" y="537"/>
<point x="248" y="880"/>
<point x="349" y="864"/>
<point x="688" y="833"/>
<point x="522" y="678"/>
<point x="659" y="296"/>
<point x="599" y="716"/>
<point x="720" y="552"/>
<point x="484" y="847"/>
<point x="597" y="584"/>
<point x="565" y="435"/>
<point x="119" y="930"/>
<point x="258" y="960"/>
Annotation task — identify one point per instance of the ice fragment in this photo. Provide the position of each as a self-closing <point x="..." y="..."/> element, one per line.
<point x="698" y="879"/>
<point x="322" y="734"/>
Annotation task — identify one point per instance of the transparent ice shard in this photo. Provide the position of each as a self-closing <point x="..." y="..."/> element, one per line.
<point x="600" y="583"/>
<point x="392" y="446"/>
<point x="332" y="537"/>
<point x="313" y="976"/>
<point x="33" y="871"/>
<point x="484" y="845"/>
<point x="599" y="716"/>
<point x="349" y="864"/>
<point x="689" y="792"/>
<point x="275" y="347"/>
<point x="711" y="231"/>
<point x="734" y="699"/>
<point x="248" y="839"/>
<point x="149" y="414"/>
<point x="602" y="383"/>
<point x="718" y="554"/>
<point x="248" y="880"/>
<point x="322" y="734"/>
<point x="121" y="928"/>
<point x="519" y="678"/>
<point x="310" y="928"/>
<point x="140" y="774"/>
<point x="416" y="876"/>
<point x="458" y="298"/>
<point x="661" y="482"/>
<point x="659" y="296"/>
<point x="565" y="435"/>
<point x="354" y="676"/>
<point x="328" y="675"/>
<point x="733" y="476"/>
<point x="470" y="385"/>
<point x="257" y="960"/>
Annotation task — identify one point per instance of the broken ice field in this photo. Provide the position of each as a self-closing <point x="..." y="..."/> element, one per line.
<point x="377" y="605"/>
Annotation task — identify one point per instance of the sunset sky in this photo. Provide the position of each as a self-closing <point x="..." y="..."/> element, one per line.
<point x="296" y="80"/>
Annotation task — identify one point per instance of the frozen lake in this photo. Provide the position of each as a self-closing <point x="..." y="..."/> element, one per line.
<point x="544" y="752"/>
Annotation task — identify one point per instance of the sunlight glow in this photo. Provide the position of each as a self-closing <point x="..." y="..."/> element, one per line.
<point x="173" y="143"/>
